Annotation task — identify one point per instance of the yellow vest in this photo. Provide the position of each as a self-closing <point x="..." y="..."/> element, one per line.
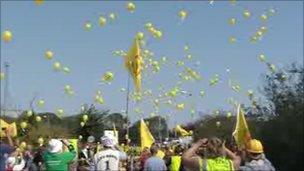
<point x="175" y="163"/>
<point x="217" y="164"/>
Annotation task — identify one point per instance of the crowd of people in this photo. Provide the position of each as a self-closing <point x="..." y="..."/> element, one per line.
<point x="207" y="154"/>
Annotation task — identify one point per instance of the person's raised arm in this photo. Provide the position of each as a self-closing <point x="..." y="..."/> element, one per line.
<point x="8" y="132"/>
<point x="235" y="159"/>
<point x="188" y="159"/>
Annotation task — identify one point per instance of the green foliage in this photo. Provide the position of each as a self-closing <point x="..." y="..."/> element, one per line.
<point x="278" y="123"/>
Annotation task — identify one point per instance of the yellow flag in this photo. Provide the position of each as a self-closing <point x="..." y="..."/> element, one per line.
<point x="241" y="133"/>
<point x="146" y="137"/>
<point x="133" y="63"/>
<point x="182" y="131"/>
<point x="5" y="125"/>
<point x="74" y="142"/>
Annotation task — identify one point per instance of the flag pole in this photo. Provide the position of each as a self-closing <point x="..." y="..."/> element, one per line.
<point x="127" y="103"/>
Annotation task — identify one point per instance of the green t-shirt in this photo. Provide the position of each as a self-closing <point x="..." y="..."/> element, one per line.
<point x="58" y="161"/>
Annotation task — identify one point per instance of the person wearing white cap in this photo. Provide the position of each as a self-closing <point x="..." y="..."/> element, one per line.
<point x="109" y="158"/>
<point x="55" y="158"/>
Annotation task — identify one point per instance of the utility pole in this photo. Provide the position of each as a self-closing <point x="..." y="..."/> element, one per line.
<point x="6" y="86"/>
<point x="127" y="104"/>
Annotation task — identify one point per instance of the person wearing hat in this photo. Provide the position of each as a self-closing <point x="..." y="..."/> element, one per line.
<point x="255" y="158"/>
<point x="110" y="156"/>
<point x="55" y="159"/>
<point x="6" y="147"/>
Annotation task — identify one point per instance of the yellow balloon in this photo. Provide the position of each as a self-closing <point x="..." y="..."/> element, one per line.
<point x="180" y="106"/>
<point x="85" y="118"/>
<point x="259" y="33"/>
<point x="264" y="17"/>
<point x="218" y="123"/>
<point x="7" y="36"/>
<point x="246" y="14"/>
<point x="39" y="2"/>
<point x="250" y="93"/>
<point x="229" y="114"/>
<point x="108" y="76"/>
<point x="102" y="21"/>
<point x="57" y="66"/>
<point x="232" y="21"/>
<point x="140" y="35"/>
<point x="59" y="112"/>
<point x="272" y="67"/>
<point x="49" y="54"/>
<point x="158" y="34"/>
<point x="66" y="70"/>
<point x="22" y="145"/>
<point x="38" y="118"/>
<point x="87" y="26"/>
<point x="2" y="76"/>
<point x="262" y="57"/>
<point x="232" y="39"/>
<point x="29" y="113"/>
<point x="263" y="29"/>
<point x="130" y="7"/>
<point x="253" y="39"/>
<point x="202" y="93"/>
<point x="99" y="99"/>
<point x="186" y="47"/>
<point x="183" y="14"/>
<point x="112" y="16"/>
<point x="23" y="125"/>
<point x="82" y="124"/>
<point x="271" y="12"/>
<point x="40" y="141"/>
<point x="40" y="103"/>
<point x="148" y="25"/>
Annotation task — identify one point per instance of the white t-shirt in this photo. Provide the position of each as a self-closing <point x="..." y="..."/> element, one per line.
<point x="108" y="159"/>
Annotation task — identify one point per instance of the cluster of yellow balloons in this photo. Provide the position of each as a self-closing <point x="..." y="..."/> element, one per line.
<point x="85" y="118"/>
<point x="259" y="34"/>
<point x="156" y="33"/>
<point x="214" y="80"/>
<point x="119" y="53"/>
<point x="68" y="90"/>
<point x="236" y="87"/>
<point x="99" y="98"/>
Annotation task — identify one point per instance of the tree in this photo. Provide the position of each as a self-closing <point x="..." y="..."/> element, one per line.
<point x="282" y="135"/>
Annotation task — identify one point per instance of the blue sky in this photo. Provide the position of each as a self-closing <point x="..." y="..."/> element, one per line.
<point x="59" y="26"/>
